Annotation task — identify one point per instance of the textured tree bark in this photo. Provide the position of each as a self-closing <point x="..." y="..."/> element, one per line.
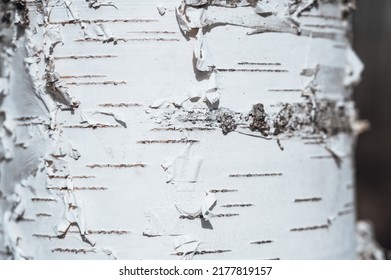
<point x="205" y="129"/>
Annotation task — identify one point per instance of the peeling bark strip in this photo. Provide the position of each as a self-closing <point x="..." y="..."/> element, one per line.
<point x="310" y="117"/>
<point x="238" y="97"/>
<point x="260" y="16"/>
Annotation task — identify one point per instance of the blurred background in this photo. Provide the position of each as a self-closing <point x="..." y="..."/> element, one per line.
<point x="372" y="41"/>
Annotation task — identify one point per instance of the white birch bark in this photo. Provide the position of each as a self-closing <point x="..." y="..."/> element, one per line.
<point x="178" y="129"/>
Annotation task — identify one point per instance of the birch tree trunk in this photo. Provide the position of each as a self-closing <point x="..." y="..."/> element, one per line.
<point x="207" y="129"/>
